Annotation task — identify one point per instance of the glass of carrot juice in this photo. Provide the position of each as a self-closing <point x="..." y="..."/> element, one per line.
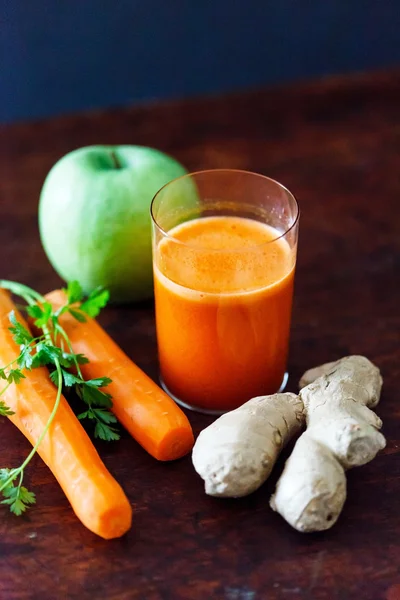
<point x="224" y="255"/>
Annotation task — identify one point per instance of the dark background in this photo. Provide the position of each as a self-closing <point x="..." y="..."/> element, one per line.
<point x="66" y="55"/>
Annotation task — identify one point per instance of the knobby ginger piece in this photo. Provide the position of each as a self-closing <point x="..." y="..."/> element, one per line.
<point x="338" y="410"/>
<point x="236" y="453"/>
<point x="342" y="432"/>
<point x="313" y="374"/>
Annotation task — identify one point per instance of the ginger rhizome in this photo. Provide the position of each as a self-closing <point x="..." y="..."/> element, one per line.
<point x="236" y="453"/>
<point x="342" y="432"/>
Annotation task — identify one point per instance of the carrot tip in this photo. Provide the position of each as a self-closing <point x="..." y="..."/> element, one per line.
<point x="115" y="522"/>
<point x="176" y="444"/>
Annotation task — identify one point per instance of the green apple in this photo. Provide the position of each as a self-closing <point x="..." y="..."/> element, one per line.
<point x="94" y="216"/>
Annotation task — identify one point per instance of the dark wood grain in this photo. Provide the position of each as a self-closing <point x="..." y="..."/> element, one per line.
<point x="336" y="145"/>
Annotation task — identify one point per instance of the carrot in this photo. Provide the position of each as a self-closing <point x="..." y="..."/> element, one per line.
<point x="148" y="413"/>
<point x="95" y="496"/>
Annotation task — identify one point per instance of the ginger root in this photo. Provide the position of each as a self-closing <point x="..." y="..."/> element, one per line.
<point x="312" y="374"/>
<point x="342" y="432"/>
<point x="236" y="453"/>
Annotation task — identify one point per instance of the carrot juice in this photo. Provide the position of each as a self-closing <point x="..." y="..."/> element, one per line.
<point x="223" y="292"/>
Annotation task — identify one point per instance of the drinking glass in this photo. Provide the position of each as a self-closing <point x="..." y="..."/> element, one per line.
<point x="224" y="255"/>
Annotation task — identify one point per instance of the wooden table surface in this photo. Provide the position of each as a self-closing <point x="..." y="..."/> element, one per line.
<point x="336" y="145"/>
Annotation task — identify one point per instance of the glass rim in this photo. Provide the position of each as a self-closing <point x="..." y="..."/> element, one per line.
<point x="209" y="171"/>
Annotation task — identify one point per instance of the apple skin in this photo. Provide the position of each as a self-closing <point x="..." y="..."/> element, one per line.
<point x="94" y="217"/>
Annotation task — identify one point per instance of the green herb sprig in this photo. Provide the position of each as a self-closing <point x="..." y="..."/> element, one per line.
<point x="52" y="348"/>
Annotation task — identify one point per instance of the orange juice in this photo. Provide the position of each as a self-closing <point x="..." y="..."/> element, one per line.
<point x="223" y="289"/>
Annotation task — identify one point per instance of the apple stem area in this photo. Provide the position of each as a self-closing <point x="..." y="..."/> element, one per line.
<point x="115" y="160"/>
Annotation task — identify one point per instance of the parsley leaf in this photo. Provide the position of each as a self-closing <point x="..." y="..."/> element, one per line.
<point x="77" y="315"/>
<point x="103" y="418"/>
<point x="5" y="474"/>
<point x="105" y="432"/>
<point x="20" y="334"/>
<point x="67" y="359"/>
<point x="90" y="307"/>
<point x="5" y="411"/>
<point x="81" y="359"/>
<point x="99" y="403"/>
<point x="17" y="497"/>
<point x="25" y="359"/>
<point x="70" y="379"/>
<point x="34" y="311"/>
<point x="99" y="382"/>
<point x="46" y="354"/>
<point x="104" y="415"/>
<point x="41" y="314"/>
<point x="54" y="377"/>
<point x="85" y="415"/>
<point x="74" y="292"/>
<point x="92" y="395"/>
<point x="15" y="376"/>
<point x="95" y="302"/>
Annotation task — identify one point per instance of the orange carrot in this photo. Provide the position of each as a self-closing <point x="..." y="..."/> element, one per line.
<point x="148" y="413"/>
<point x="96" y="498"/>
